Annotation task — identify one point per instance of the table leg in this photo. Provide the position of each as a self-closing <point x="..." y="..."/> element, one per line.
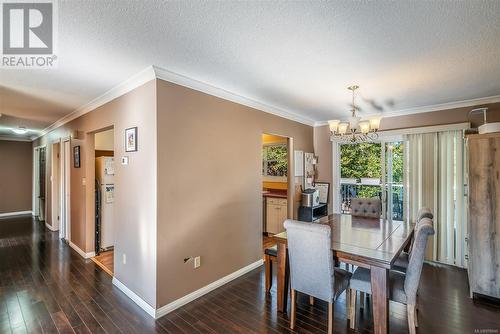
<point x="380" y="299"/>
<point x="282" y="278"/>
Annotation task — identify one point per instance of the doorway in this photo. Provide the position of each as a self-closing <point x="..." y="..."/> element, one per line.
<point x="55" y="188"/>
<point x="275" y="185"/>
<point x="104" y="198"/>
<point x="373" y="170"/>
<point x="39" y="182"/>
<point x="65" y="190"/>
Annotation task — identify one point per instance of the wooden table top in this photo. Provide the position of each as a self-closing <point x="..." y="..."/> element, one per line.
<point x="365" y="241"/>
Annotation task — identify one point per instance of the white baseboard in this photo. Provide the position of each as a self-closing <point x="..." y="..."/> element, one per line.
<point x="206" y="289"/>
<point x="135" y="298"/>
<point x="157" y="313"/>
<point x="13" y="214"/>
<point x="51" y="228"/>
<point x="81" y="252"/>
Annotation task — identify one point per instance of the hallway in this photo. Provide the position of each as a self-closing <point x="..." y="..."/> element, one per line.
<point x="46" y="287"/>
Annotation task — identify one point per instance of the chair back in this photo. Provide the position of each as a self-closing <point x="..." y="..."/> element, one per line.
<point x="424" y="213"/>
<point x="366" y="207"/>
<point x="311" y="259"/>
<point x="412" y="279"/>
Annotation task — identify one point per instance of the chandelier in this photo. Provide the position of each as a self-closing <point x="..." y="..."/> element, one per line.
<point x="355" y="130"/>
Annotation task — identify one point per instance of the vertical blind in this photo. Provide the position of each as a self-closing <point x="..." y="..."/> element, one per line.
<point x="435" y="179"/>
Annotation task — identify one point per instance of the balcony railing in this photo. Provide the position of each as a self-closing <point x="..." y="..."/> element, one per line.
<point x="370" y="188"/>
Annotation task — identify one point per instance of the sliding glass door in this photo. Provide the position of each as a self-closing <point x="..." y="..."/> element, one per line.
<point x="372" y="170"/>
<point x="393" y="180"/>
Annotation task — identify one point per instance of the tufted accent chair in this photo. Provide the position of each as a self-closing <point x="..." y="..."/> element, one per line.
<point x="366" y="207"/>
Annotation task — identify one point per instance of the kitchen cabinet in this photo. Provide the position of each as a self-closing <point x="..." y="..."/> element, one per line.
<point x="276" y="214"/>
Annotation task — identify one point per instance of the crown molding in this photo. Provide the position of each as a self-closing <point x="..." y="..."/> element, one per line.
<point x="155" y="72"/>
<point x="434" y="107"/>
<point x="209" y="89"/>
<point x="128" y="85"/>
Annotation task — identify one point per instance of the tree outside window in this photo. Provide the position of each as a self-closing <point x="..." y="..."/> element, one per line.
<point x="275" y="160"/>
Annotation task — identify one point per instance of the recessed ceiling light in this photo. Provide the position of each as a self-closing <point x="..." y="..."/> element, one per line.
<point x="20" y="130"/>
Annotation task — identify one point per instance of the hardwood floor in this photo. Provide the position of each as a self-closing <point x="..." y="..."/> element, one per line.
<point x="105" y="260"/>
<point x="46" y="287"/>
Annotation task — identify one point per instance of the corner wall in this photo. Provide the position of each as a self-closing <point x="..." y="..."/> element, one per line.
<point x="135" y="185"/>
<point x="210" y="188"/>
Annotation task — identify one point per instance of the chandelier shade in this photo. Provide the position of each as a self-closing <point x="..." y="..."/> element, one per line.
<point x="356" y="129"/>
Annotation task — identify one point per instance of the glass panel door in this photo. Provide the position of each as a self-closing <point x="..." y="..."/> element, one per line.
<point x="360" y="173"/>
<point x="373" y="170"/>
<point x="394" y="164"/>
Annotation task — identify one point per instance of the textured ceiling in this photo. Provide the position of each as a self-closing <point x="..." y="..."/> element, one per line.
<point x="295" y="56"/>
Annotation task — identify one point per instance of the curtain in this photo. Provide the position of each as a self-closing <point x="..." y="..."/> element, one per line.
<point x="436" y="180"/>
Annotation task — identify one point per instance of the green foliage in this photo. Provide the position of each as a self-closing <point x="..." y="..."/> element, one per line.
<point x="274" y="160"/>
<point x="360" y="160"/>
<point x="397" y="162"/>
<point x="368" y="191"/>
<point x="364" y="160"/>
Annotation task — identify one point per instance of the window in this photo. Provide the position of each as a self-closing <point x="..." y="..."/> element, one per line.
<point x="361" y="175"/>
<point x="275" y="160"/>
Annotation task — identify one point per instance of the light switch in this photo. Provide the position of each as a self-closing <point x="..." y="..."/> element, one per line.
<point x="197" y="262"/>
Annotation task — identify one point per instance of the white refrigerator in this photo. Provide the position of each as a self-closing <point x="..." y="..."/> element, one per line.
<point x="105" y="172"/>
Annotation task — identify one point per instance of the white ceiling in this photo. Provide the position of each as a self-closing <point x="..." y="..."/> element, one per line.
<point x="294" y="56"/>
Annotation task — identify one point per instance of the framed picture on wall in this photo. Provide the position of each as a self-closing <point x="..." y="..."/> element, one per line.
<point x="131" y="139"/>
<point x="76" y="156"/>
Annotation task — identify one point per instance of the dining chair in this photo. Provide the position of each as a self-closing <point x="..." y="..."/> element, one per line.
<point x="403" y="259"/>
<point x="402" y="287"/>
<point x="270" y="255"/>
<point x="312" y="267"/>
<point x="366" y="207"/>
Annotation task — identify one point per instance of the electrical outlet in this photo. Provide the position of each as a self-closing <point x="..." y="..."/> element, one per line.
<point x="197" y="262"/>
<point x="124" y="256"/>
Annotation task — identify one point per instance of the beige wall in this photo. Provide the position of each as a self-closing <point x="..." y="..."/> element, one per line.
<point x="135" y="185"/>
<point x="209" y="188"/>
<point x="16" y="174"/>
<point x="323" y="146"/>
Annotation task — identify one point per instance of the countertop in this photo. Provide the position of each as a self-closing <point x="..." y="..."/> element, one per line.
<point x="274" y="193"/>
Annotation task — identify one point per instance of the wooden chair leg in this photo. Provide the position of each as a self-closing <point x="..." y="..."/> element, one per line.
<point x="348" y="303"/>
<point x="269" y="273"/>
<point x="311" y="300"/>
<point x="411" y="318"/>
<point x="416" y="316"/>
<point x="330" y="317"/>
<point x="293" y="309"/>
<point x="352" y="309"/>
<point x="362" y="300"/>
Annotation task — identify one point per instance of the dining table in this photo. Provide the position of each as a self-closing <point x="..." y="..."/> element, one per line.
<point x="370" y="243"/>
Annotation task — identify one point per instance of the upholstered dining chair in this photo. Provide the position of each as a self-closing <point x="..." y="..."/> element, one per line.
<point x="312" y="267"/>
<point x="402" y="287"/>
<point x="403" y="259"/>
<point x="366" y="207"/>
